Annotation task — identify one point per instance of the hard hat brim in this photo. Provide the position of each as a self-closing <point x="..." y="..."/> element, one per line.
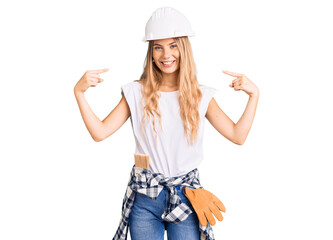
<point x="144" y="39"/>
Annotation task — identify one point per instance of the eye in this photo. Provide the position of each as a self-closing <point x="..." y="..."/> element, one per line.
<point x="156" y="48"/>
<point x="174" y="45"/>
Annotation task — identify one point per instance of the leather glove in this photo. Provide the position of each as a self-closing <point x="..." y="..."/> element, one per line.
<point x="205" y="202"/>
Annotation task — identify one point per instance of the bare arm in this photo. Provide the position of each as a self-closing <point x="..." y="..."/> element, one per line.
<point x="237" y="133"/>
<point x="99" y="130"/>
<point x="116" y="118"/>
<point x="220" y="121"/>
<point x="243" y="126"/>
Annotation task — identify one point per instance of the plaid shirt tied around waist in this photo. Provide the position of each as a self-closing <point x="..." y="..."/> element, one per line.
<point x="151" y="184"/>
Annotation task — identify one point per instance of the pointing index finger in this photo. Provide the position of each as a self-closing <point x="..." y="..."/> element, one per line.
<point x="234" y="74"/>
<point x="100" y="70"/>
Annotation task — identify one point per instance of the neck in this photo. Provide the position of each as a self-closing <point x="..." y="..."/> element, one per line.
<point x="169" y="80"/>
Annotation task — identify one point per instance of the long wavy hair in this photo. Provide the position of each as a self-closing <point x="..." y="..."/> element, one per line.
<point x="188" y="88"/>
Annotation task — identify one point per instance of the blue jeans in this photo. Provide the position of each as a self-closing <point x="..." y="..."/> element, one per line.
<point x="145" y="222"/>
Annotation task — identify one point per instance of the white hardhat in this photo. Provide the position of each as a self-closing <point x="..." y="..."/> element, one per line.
<point x="167" y="22"/>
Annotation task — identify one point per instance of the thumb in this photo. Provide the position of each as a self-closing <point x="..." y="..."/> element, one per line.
<point x="188" y="193"/>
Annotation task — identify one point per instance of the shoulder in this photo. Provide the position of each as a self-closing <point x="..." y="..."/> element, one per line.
<point x="207" y="95"/>
<point x="131" y="90"/>
<point x="130" y="85"/>
<point x="139" y="81"/>
<point x="207" y="90"/>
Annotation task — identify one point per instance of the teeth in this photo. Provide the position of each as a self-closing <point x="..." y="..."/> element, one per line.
<point x="167" y="62"/>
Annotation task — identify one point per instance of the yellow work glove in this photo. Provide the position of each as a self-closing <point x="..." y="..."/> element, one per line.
<point x="205" y="203"/>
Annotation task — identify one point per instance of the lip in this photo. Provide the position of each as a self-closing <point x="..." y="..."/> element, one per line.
<point x="169" y="65"/>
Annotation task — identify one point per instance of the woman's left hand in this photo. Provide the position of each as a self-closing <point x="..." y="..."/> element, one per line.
<point x="243" y="83"/>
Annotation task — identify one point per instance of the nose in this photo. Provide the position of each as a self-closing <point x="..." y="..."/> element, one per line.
<point x="167" y="53"/>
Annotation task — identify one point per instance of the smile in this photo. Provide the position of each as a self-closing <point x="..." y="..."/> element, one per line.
<point x="168" y="64"/>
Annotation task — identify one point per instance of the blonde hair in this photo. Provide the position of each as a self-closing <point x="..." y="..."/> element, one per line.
<point x="189" y="91"/>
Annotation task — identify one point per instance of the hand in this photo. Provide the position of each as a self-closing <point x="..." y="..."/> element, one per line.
<point x="243" y="83"/>
<point x="89" y="79"/>
<point x="205" y="202"/>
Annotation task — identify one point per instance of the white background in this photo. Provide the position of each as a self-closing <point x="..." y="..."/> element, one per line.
<point x="57" y="183"/>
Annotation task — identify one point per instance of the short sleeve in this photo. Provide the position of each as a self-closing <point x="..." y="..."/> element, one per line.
<point x="207" y="95"/>
<point x="127" y="92"/>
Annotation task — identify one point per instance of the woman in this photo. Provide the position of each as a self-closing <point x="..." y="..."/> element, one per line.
<point x="167" y="107"/>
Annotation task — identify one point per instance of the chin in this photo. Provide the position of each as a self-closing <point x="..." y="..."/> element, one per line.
<point x="169" y="71"/>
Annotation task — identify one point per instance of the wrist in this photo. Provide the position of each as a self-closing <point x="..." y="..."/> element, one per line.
<point x="254" y="95"/>
<point x="77" y="92"/>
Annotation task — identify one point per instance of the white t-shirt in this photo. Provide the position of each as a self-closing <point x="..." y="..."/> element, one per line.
<point x="172" y="155"/>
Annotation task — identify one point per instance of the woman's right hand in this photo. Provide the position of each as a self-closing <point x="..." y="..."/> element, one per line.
<point x="89" y="79"/>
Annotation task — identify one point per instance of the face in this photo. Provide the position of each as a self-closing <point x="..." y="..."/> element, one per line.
<point x="166" y="55"/>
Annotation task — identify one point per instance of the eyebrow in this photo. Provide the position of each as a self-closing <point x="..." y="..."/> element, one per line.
<point x="161" y="45"/>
